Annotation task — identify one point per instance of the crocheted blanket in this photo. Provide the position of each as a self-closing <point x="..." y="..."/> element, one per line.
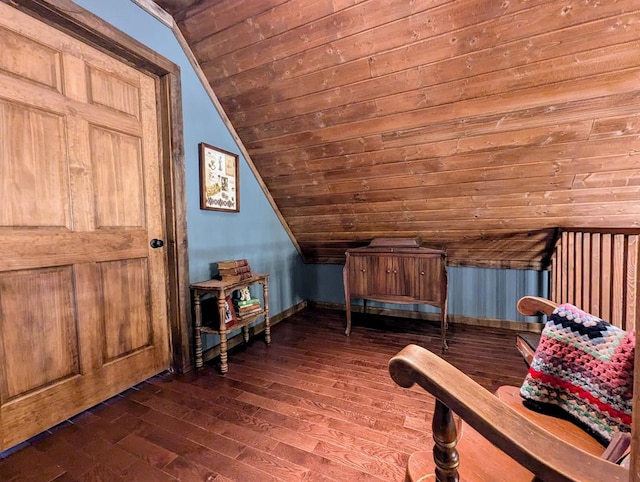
<point x="584" y="366"/>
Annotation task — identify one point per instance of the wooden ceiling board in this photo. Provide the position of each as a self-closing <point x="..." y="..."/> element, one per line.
<point x="479" y="126"/>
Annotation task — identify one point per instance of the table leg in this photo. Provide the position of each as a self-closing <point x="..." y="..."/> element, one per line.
<point x="224" y="366"/>
<point x="197" y="333"/>
<point x="267" y="323"/>
<point x="245" y="333"/>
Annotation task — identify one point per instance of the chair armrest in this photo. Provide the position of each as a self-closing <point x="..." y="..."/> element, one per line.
<point x="533" y="305"/>
<point x="547" y="456"/>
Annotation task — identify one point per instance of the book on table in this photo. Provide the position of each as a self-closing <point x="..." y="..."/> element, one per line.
<point x="249" y="310"/>
<point x="249" y="302"/>
<point x="248" y="306"/>
<point x="232" y="263"/>
<point x="233" y="271"/>
<point x="233" y="278"/>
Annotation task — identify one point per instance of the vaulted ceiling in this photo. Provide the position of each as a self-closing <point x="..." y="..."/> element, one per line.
<point x="479" y="125"/>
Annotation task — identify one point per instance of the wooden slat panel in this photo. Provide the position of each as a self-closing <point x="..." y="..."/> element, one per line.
<point x="577" y="276"/>
<point x="596" y="272"/>
<point x="606" y="275"/>
<point x="631" y="283"/>
<point x="303" y="58"/>
<point x="607" y="284"/>
<point x="373" y="118"/>
<point x="452" y="72"/>
<point x="339" y="109"/>
<point x="439" y="154"/>
<point x="571" y="266"/>
<point x="586" y="272"/>
<point x="564" y="263"/>
<point x="618" y="281"/>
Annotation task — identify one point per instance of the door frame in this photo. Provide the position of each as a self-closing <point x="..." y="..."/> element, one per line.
<point x="83" y="25"/>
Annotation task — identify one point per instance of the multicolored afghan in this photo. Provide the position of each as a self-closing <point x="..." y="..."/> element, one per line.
<point x="584" y="365"/>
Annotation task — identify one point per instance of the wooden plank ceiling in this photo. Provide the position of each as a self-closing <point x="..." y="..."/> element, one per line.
<point x="478" y="125"/>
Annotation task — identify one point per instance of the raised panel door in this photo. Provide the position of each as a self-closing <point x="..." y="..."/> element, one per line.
<point x="83" y="311"/>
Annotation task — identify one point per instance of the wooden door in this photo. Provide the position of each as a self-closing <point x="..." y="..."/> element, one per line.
<point x="82" y="294"/>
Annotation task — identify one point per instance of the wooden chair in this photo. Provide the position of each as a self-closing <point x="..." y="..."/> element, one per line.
<point x="496" y="437"/>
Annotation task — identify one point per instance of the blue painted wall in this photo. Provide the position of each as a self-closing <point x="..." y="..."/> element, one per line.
<point x="255" y="232"/>
<point x="474" y="292"/>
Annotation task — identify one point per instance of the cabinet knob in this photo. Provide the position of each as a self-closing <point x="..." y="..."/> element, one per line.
<point x="395" y="271"/>
<point x="362" y="269"/>
<point x="388" y="271"/>
<point x="421" y="273"/>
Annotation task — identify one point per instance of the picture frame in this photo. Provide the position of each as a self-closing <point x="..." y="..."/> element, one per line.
<point x="219" y="179"/>
<point x="230" y="317"/>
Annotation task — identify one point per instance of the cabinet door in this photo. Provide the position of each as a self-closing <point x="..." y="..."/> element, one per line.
<point x="406" y="279"/>
<point x="359" y="273"/>
<point x="430" y="279"/>
<point x="395" y="276"/>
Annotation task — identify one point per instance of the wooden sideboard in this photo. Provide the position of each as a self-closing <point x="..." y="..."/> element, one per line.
<point x="397" y="274"/>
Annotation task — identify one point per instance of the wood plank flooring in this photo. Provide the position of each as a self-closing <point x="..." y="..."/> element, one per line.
<point x="315" y="405"/>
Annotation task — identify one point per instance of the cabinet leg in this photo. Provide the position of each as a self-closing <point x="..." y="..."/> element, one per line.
<point x="443" y="327"/>
<point x="347" y="331"/>
<point x="245" y="333"/>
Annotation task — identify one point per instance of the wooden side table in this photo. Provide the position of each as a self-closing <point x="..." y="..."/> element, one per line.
<point x="220" y="289"/>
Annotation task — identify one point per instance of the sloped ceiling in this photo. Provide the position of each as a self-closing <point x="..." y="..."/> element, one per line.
<point x="480" y="126"/>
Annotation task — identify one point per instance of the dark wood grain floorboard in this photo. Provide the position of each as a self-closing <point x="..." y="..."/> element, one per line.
<point x="315" y="405"/>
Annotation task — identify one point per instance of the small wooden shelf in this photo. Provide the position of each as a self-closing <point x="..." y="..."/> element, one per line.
<point x="205" y="321"/>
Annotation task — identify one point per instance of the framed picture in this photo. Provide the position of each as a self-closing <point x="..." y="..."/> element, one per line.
<point x="219" y="179"/>
<point x="229" y="312"/>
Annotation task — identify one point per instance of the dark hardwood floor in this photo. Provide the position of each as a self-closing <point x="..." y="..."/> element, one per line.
<point x="314" y="405"/>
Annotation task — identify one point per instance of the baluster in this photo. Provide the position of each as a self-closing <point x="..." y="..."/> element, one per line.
<point x="445" y="454"/>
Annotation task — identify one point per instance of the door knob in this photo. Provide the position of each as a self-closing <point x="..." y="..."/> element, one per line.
<point x="156" y="243"/>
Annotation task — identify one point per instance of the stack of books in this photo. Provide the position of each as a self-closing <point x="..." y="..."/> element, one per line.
<point x="246" y="307"/>
<point x="234" y="270"/>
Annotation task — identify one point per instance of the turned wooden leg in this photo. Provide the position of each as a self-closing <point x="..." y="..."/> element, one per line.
<point x="267" y="323"/>
<point x="245" y="333"/>
<point x="224" y="367"/>
<point x="197" y="334"/>
<point x="445" y="454"/>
